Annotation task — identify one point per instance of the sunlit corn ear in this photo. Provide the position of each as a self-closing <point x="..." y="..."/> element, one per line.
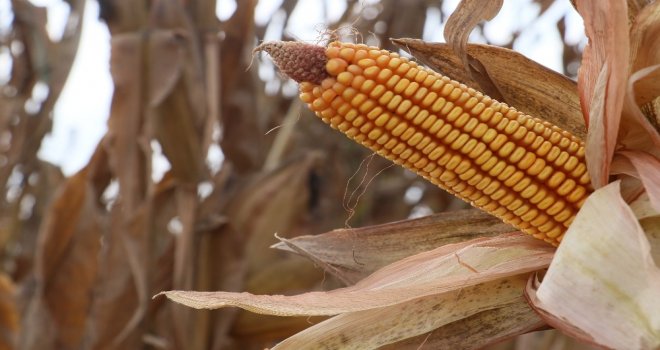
<point x="526" y="171"/>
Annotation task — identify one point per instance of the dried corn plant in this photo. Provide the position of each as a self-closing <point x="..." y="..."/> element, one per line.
<point x="83" y="255"/>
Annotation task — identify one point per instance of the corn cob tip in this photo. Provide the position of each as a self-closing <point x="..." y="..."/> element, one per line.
<point x="298" y="61"/>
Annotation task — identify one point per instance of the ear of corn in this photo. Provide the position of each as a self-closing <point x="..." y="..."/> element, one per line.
<point x="527" y="172"/>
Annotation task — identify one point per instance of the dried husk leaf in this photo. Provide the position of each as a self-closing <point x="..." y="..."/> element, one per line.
<point x="531" y="87"/>
<point x="305" y="277"/>
<point x="462" y="21"/>
<point x="373" y="328"/>
<point x="645" y="52"/>
<point x="603" y="280"/>
<point x="363" y="250"/>
<point x="444" y="269"/>
<point x="479" y="330"/>
<point x="605" y="67"/>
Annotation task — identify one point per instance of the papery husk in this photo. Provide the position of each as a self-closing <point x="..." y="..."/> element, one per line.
<point x="460" y="24"/>
<point x="437" y="271"/>
<point x="374" y="328"/>
<point x="645" y="51"/>
<point x="603" y="284"/>
<point x="601" y="81"/>
<point x="352" y="254"/>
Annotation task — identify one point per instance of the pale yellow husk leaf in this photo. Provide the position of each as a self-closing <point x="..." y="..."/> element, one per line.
<point x="603" y="279"/>
<point x="374" y="328"/>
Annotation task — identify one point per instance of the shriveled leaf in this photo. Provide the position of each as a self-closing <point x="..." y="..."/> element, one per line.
<point x="178" y="115"/>
<point x="258" y="211"/>
<point x="121" y="282"/>
<point x="304" y="276"/>
<point x="479" y="330"/>
<point x="444" y="269"/>
<point x="595" y="156"/>
<point x="373" y="328"/>
<point x="65" y="268"/>
<point x="462" y="21"/>
<point x="645" y="50"/>
<point x="530" y="88"/>
<point x="367" y="249"/>
<point x="606" y="25"/>
<point x="603" y="280"/>
<point x="126" y="154"/>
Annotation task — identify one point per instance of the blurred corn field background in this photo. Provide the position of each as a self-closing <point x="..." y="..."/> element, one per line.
<point x="82" y="255"/>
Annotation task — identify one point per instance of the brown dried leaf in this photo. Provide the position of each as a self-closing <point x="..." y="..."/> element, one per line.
<point x="462" y="21"/>
<point x="441" y="270"/>
<point x="364" y="250"/>
<point x="258" y="211"/>
<point x="605" y="59"/>
<point x="124" y="137"/>
<point x="177" y="113"/>
<point x="121" y="281"/>
<point x="243" y="129"/>
<point x="65" y="268"/>
<point x="305" y="277"/>
<point x="645" y="51"/>
<point x="640" y="131"/>
<point x="373" y="328"/>
<point x="530" y="88"/>
<point x="596" y="142"/>
<point x="9" y="316"/>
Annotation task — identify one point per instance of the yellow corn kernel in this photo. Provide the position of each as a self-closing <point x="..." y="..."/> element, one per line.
<point x="524" y="170"/>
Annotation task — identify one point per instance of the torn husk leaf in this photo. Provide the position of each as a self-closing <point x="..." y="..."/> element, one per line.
<point x="603" y="280"/>
<point x="434" y="272"/>
<point x="462" y="21"/>
<point x="366" y="249"/>
<point x="373" y="328"/>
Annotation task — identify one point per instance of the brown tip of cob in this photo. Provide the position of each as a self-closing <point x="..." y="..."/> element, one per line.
<point x="299" y="61"/>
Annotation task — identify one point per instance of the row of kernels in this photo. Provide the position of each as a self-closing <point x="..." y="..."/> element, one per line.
<point x="415" y="138"/>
